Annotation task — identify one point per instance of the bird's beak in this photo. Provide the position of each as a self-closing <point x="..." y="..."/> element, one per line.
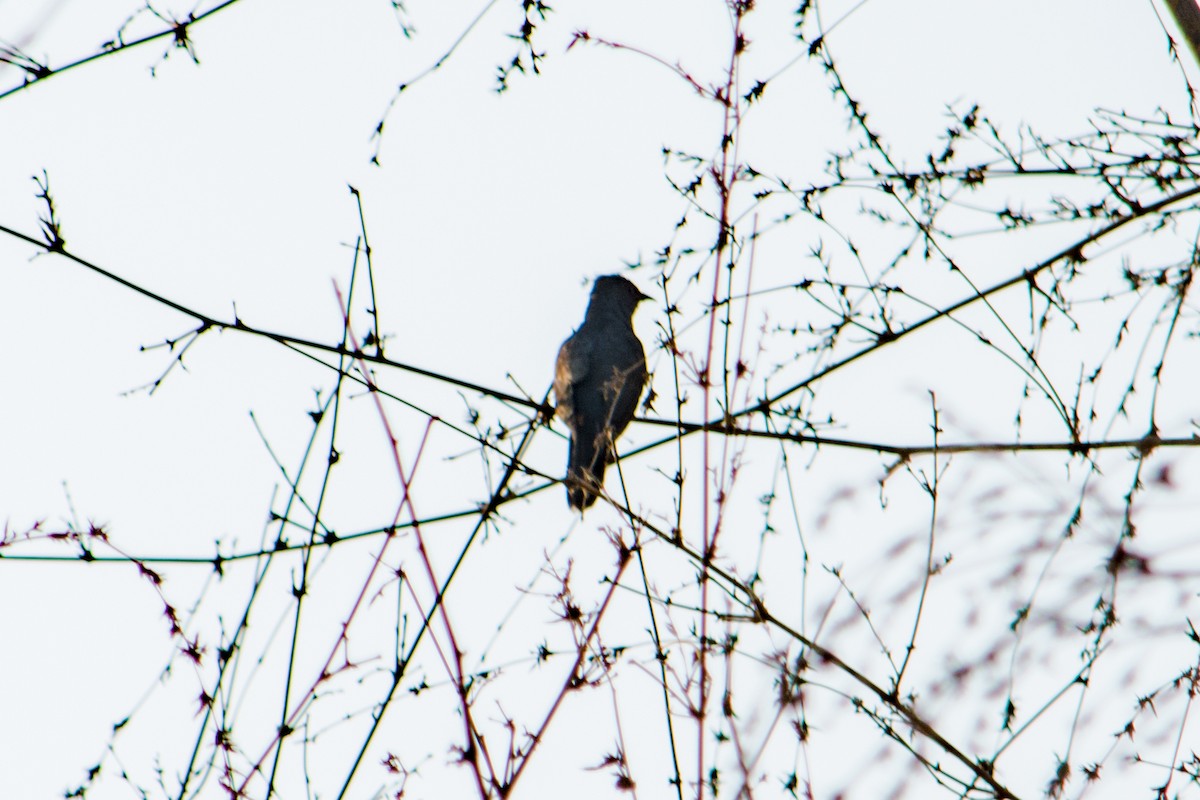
<point x="642" y="297"/>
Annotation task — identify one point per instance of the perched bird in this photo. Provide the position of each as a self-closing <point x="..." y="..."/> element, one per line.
<point x="598" y="380"/>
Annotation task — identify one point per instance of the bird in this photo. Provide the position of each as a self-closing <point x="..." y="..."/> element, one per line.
<point x="598" y="380"/>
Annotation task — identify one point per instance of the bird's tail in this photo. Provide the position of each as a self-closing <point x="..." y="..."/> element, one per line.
<point x="585" y="470"/>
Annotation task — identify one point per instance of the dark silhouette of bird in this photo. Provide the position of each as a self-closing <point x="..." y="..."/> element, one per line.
<point x="598" y="380"/>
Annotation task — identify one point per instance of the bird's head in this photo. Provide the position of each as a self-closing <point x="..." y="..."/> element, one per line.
<point x="617" y="292"/>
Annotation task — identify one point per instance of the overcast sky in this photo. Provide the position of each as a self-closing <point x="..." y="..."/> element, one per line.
<point x="221" y="183"/>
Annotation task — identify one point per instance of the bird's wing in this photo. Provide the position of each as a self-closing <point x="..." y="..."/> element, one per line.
<point x="569" y="370"/>
<point x="624" y="387"/>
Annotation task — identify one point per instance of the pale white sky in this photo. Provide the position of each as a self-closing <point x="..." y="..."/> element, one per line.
<point x="224" y="184"/>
